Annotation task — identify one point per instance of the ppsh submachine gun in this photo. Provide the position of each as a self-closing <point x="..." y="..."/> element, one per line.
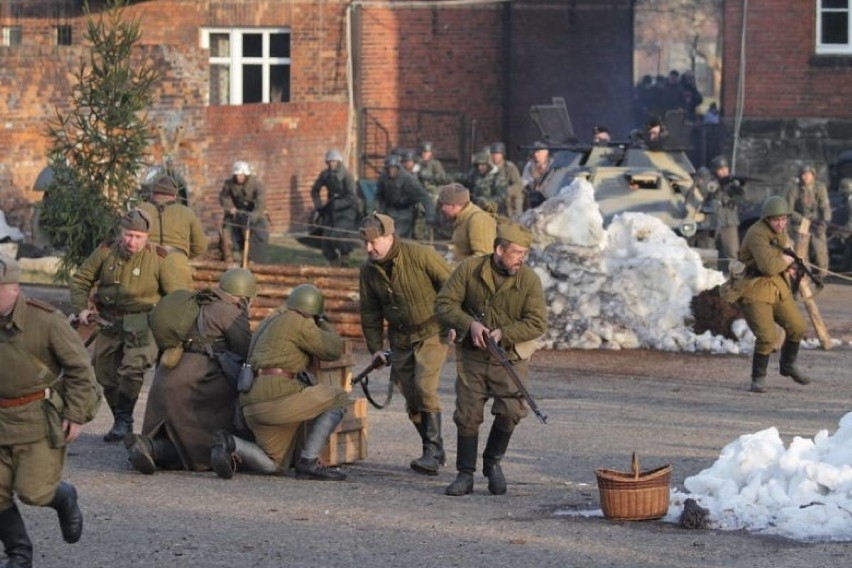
<point x="363" y="378"/>
<point x="802" y="271"/>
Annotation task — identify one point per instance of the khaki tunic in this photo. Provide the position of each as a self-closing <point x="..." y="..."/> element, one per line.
<point x="516" y="306"/>
<point x="474" y="232"/>
<point x="188" y="403"/>
<point x="766" y="295"/>
<point x="277" y="405"/>
<point x="178" y="229"/>
<point x="37" y="346"/>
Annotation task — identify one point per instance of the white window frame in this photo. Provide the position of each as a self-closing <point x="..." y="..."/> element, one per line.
<point x="11" y="35"/>
<point x="833" y="48"/>
<point x="235" y="59"/>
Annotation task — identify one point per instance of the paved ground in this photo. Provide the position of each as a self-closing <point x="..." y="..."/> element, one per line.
<point x="670" y="408"/>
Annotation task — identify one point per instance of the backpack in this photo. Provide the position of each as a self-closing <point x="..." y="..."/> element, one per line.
<point x="175" y="317"/>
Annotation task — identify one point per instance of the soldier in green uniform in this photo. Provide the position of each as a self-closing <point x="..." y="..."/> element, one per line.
<point x="128" y="277"/>
<point x="47" y="392"/>
<point x="243" y="199"/>
<point x="495" y="296"/>
<point x="398" y="285"/>
<point x="190" y="401"/>
<point x="176" y="228"/>
<point x="726" y="193"/>
<point x="474" y="230"/>
<point x="766" y="296"/>
<point x="339" y="212"/>
<point x="430" y="171"/>
<point x="514" y="184"/>
<point x="401" y="196"/>
<point x="488" y="188"/>
<point x="278" y="402"/>
<point x="808" y="199"/>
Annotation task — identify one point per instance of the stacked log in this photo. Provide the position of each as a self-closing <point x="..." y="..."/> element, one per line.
<point x="276" y="282"/>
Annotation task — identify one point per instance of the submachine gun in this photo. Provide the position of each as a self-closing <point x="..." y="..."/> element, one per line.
<point x="802" y="271"/>
<point x="364" y="379"/>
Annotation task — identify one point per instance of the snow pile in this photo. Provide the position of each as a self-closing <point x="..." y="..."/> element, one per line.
<point x="802" y="492"/>
<point x="7" y="232"/>
<point x="627" y="286"/>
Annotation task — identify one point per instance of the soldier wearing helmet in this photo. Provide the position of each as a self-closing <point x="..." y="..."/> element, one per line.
<point x="725" y="193"/>
<point x="808" y="199"/>
<point x="430" y="171"/>
<point x="766" y="294"/>
<point x="400" y="195"/>
<point x="243" y="200"/>
<point x="193" y="398"/>
<point x="278" y="403"/>
<point x="338" y="213"/>
<point x="535" y="173"/>
<point x="488" y="188"/>
<point x="509" y="172"/>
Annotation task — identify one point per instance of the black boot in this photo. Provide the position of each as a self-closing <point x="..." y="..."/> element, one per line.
<point x="146" y="455"/>
<point x="308" y="465"/>
<point x="70" y="515"/>
<point x="466" y="464"/>
<point x="789" y="353"/>
<point x="495" y="449"/>
<point x="123" y="424"/>
<point x="758" y="372"/>
<point x="227" y="451"/>
<point x="16" y="541"/>
<point x="433" y="445"/>
<point x="310" y="469"/>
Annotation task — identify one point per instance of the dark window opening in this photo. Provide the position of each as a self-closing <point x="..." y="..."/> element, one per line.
<point x="64" y="35"/>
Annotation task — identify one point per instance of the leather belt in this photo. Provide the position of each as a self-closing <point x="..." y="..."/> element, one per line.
<point x="26" y="399"/>
<point x="171" y="249"/>
<point x="275" y="371"/>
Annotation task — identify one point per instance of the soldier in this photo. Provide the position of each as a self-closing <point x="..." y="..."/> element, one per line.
<point x="474" y="230"/>
<point x="766" y="295"/>
<point x="192" y="400"/>
<point x="726" y="195"/>
<point x="498" y="297"/>
<point x="487" y="187"/>
<point x="808" y="199"/>
<point x="535" y="172"/>
<point x="431" y="174"/>
<point x="176" y="228"/>
<point x="408" y="159"/>
<point x="514" y="184"/>
<point x="47" y="392"/>
<point x="401" y="196"/>
<point x="600" y="136"/>
<point x="340" y="209"/>
<point x="278" y="403"/>
<point x="243" y="199"/>
<point x="398" y="284"/>
<point x="129" y="277"/>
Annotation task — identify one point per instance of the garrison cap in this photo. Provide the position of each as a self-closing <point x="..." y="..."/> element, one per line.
<point x="136" y="220"/>
<point x="165" y="185"/>
<point x="515" y="233"/>
<point x="454" y="194"/>
<point x="375" y="226"/>
<point x="10" y="270"/>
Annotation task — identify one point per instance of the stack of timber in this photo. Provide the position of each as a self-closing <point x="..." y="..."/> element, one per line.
<point x="276" y="282"/>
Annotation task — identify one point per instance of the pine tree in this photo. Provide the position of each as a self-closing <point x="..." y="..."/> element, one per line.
<point x="98" y="145"/>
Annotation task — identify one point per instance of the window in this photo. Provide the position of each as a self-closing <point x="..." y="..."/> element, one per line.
<point x="11" y="35"/>
<point x="833" y="27"/>
<point x="63" y="35"/>
<point x="249" y="65"/>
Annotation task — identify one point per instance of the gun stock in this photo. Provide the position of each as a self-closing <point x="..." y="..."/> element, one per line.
<point x="374" y="364"/>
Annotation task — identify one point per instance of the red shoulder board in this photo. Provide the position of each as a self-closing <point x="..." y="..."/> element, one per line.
<point x="161" y="251"/>
<point x="41" y="304"/>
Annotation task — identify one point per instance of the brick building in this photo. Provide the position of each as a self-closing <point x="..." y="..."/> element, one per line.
<point x="278" y="82"/>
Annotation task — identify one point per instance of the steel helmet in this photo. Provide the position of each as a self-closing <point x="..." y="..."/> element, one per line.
<point x="392" y="161"/>
<point x="498" y="148"/>
<point x="333" y="156"/>
<point x="241" y="168"/>
<point x="409" y="156"/>
<point x="307" y="299"/>
<point x="480" y="158"/>
<point x="239" y="282"/>
<point x="774" y="206"/>
<point x="806" y="168"/>
<point x="426" y="147"/>
<point x="719" y="162"/>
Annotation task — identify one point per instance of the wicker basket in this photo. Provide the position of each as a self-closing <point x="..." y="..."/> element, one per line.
<point x="634" y="496"/>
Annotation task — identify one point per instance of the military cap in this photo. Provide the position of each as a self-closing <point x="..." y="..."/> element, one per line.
<point x="426" y="147"/>
<point x="515" y="233"/>
<point x="136" y="220"/>
<point x="480" y="158"/>
<point x="498" y="148"/>
<point x="719" y="162"/>
<point x="775" y="206"/>
<point x="806" y="168"/>
<point x="376" y="225"/>
<point x="392" y="161"/>
<point x="10" y="270"/>
<point x="165" y="185"/>
<point x="454" y="194"/>
<point x="409" y="156"/>
<point x="333" y="156"/>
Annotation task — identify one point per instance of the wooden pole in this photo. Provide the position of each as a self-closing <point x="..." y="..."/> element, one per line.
<point x="805" y="290"/>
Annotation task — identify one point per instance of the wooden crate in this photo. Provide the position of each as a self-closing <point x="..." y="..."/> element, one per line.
<point x="348" y="442"/>
<point x="335" y="372"/>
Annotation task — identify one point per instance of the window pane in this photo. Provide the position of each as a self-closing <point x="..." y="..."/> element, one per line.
<point x="12" y="35"/>
<point x="279" y="83"/>
<point x="835" y="4"/>
<point x="63" y="35"/>
<point x="220" y="81"/>
<point x="220" y="45"/>
<point x="252" y="84"/>
<point x="252" y="45"/>
<point x="279" y="45"/>
<point x="835" y="28"/>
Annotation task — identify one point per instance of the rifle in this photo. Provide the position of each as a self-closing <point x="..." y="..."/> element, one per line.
<point x="500" y="355"/>
<point x="802" y="270"/>
<point x="74" y="320"/>
<point x="364" y="378"/>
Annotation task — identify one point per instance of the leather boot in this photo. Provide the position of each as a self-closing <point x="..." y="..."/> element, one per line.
<point x="495" y="449"/>
<point x="310" y="469"/>
<point x="433" y="445"/>
<point x="146" y="455"/>
<point x="466" y="464"/>
<point x="16" y="541"/>
<point x="70" y="516"/>
<point x="123" y="424"/>
<point x="308" y="465"/>
<point x="227" y="451"/>
<point x="789" y="353"/>
<point x="758" y="372"/>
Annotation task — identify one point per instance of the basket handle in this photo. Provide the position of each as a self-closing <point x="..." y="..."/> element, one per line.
<point x="634" y="466"/>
